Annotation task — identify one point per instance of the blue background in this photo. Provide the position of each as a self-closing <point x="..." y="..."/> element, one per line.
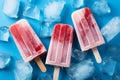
<point x="10" y="47"/>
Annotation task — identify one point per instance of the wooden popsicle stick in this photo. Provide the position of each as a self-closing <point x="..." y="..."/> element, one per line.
<point x="40" y="64"/>
<point x="56" y="73"/>
<point x="97" y="55"/>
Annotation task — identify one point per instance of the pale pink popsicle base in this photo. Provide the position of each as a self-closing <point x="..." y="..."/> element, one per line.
<point x="62" y="64"/>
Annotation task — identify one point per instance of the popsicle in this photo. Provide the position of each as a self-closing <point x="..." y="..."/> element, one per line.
<point x="59" y="52"/>
<point x="28" y="43"/>
<point x="87" y="30"/>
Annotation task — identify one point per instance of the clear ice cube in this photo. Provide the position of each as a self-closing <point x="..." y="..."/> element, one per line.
<point x="100" y="7"/>
<point x="4" y="60"/>
<point x="108" y="66"/>
<point x="52" y="15"/>
<point x="81" y="71"/>
<point x="22" y="71"/>
<point x="4" y="33"/>
<point x="32" y="11"/>
<point x="95" y="77"/>
<point x="46" y="77"/>
<point x="52" y="11"/>
<point x="32" y="1"/>
<point x="78" y="55"/>
<point x="77" y="3"/>
<point x="46" y="29"/>
<point x="116" y="76"/>
<point x="111" y="29"/>
<point x="113" y="52"/>
<point x="11" y="8"/>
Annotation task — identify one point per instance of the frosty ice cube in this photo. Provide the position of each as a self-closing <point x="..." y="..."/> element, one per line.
<point x="77" y="3"/>
<point x="46" y="29"/>
<point x="32" y="11"/>
<point x="78" y="55"/>
<point x="108" y="66"/>
<point x="23" y="71"/>
<point x="82" y="70"/>
<point x="111" y="29"/>
<point x="4" y="33"/>
<point x="46" y="77"/>
<point x="4" y="60"/>
<point x="100" y="7"/>
<point x="11" y="8"/>
<point x="53" y="11"/>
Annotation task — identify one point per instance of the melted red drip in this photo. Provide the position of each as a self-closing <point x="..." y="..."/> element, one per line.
<point x="91" y="24"/>
<point x="82" y="31"/>
<point x="39" y="47"/>
<point x="87" y="12"/>
<point x="83" y="34"/>
<point x="56" y="32"/>
<point x="69" y="34"/>
<point x="62" y="33"/>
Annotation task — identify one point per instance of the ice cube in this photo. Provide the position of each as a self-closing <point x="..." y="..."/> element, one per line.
<point x="4" y="33"/>
<point x="32" y="1"/>
<point x="46" y="77"/>
<point x="4" y="60"/>
<point x="22" y="71"/>
<point x="116" y="76"/>
<point x="95" y="77"/>
<point x="78" y="55"/>
<point x="11" y="8"/>
<point x="113" y="51"/>
<point x="111" y="29"/>
<point x="77" y="3"/>
<point x="81" y="70"/>
<point x="105" y="77"/>
<point x="53" y="10"/>
<point x="108" y="66"/>
<point x="32" y="11"/>
<point x="46" y="29"/>
<point x="100" y="7"/>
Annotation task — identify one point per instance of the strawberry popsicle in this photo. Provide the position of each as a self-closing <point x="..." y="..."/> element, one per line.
<point x="28" y="42"/>
<point x="87" y="30"/>
<point x="59" y="53"/>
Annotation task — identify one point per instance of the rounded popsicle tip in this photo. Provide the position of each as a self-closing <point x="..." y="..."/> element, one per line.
<point x="81" y="12"/>
<point x="22" y="20"/>
<point x="99" y="60"/>
<point x="60" y="24"/>
<point x="13" y="25"/>
<point x="44" y="70"/>
<point x="62" y="29"/>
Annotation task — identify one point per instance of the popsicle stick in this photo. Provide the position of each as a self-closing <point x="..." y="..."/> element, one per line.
<point x="97" y="55"/>
<point x="40" y="64"/>
<point x="56" y="73"/>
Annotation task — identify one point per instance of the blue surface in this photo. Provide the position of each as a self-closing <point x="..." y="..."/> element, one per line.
<point x="10" y="47"/>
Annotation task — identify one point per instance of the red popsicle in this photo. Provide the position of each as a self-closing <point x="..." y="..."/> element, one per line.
<point x="59" y="53"/>
<point x="88" y="33"/>
<point x="28" y="42"/>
